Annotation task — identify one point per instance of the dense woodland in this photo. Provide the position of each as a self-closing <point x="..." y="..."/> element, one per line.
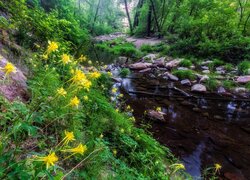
<point x="66" y="127"/>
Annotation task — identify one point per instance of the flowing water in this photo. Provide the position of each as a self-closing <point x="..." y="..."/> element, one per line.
<point x="201" y="130"/>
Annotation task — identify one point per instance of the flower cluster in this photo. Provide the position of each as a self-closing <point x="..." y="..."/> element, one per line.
<point x="51" y="159"/>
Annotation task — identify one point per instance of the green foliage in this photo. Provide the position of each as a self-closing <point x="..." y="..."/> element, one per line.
<point x="244" y="67"/>
<point x="203" y="28"/>
<point x="229" y="67"/>
<point x="228" y="84"/>
<point x="212" y="83"/>
<point x="186" y="63"/>
<point x="184" y="74"/>
<point x="124" y="72"/>
<point x="120" y="48"/>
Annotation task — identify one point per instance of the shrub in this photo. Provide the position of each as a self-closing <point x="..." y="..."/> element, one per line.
<point x="146" y="48"/>
<point x="124" y="72"/>
<point x="229" y="84"/>
<point x="229" y="67"/>
<point x="186" y="63"/>
<point x="212" y="84"/>
<point x="184" y="74"/>
<point x="243" y="67"/>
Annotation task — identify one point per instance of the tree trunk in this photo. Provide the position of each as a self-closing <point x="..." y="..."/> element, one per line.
<point x="129" y="19"/>
<point x="245" y="24"/>
<point x="137" y="14"/>
<point x="155" y="17"/>
<point x="149" y="21"/>
<point x="95" y="18"/>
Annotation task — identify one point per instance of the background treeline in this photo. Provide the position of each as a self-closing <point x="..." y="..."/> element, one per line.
<point x="197" y="27"/>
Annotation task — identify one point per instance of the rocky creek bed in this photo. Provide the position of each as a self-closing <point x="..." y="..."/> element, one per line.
<point x="201" y="129"/>
<point x="201" y="126"/>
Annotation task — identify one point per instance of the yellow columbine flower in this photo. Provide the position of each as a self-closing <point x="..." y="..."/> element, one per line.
<point x="217" y="167"/>
<point x="158" y="109"/>
<point x="178" y="167"/>
<point x="86" y="98"/>
<point x="114" y="90"/>
<point x="9" y="68"/>
<point x="45" y="56"/>
<point x="53" y="46"/>
<point x="110" y="74"/>
<point x="89" y="62"/>
<point x="61" y="92"/>
<point x="86" y="84"/>
<point x="128" y="107"/>
<point x="82" y="58"/>
<point x="78" y="76"/>
<point x="114" y="152"/>
<point x="49" y="160"/>
<point x="74" y="102"/>
<point x="69" y="136"/>
<point x="95" y="75"/>
<point x="80" y="149"/>
<point x="65" y="59"/>
<point x="121" y="95"/>
<point x="101" y="136"/>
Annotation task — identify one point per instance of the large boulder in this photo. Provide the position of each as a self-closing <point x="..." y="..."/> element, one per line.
<point x="243" y="79"/>
<point x="140" y="66"/>
<point x="199" y="88"/>
<point x="14" y="85"/>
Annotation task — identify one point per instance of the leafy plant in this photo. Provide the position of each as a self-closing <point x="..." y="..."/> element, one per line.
<point x="186" y="63"/>
<point x="184" y="74"/>
<point x="124" y="72"/>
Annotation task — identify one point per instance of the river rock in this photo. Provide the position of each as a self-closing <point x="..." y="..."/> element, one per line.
<point x="155" y="115"/>
<point x="171" y="76"/>
<point x="140" y="66"/>
<point x="160" y="62"/>
<point x="150" y="57"/>
<point x="16" y="85"/>
<point x="198" y="88"/>
<point x="186" y="82"/>
<point x="204" y="78"/>
<point x="145" y="70"/>
<point x="182" y="68"/>
<point x="221" y="90"/>
<point x="206" y="63"/>
<point x="206" y="71"/>
<point x="240" y="90"/>
<point x="243" y="79"/>
<point x="204" y="67"/>
<point x="173" y="63"/>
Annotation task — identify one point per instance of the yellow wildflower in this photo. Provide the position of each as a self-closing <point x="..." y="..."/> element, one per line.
<point x="89" y="62"/>
<point x="110" y="74"/>
<point x="128" y="107"/>
<point x="115" y="152"/>
<point x="53" y="46"/>
<point x="78" y="77"/>
<point x="121" y="95"/>
<point x="101" y="136"/>
<point x="9" y="68"/>
<point x="80" y="149"/>
<point x="122" y="130"/>
<point x="177" y="167"/>
<point x="74" y="102"/>
<point x="114" y="90"/>
<point x="95" y="75"/>
<point x="65" y="59"/>
<point x="217" y="167"/>
<point x="69" y="136"/>
<point x="45" y="57"/>
<point x="86" y="98"/>
<point x="86" y="84"/>
<point x="158" y="109"/>
<point x="61" y="92"/>
<point x="49" y="160"/>
<point x="82" y="58"/>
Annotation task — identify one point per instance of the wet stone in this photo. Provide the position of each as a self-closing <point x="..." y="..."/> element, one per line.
<point x="199" y="88"/>
<point x="186" y="82"/>
<point x="218" y="117"/>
